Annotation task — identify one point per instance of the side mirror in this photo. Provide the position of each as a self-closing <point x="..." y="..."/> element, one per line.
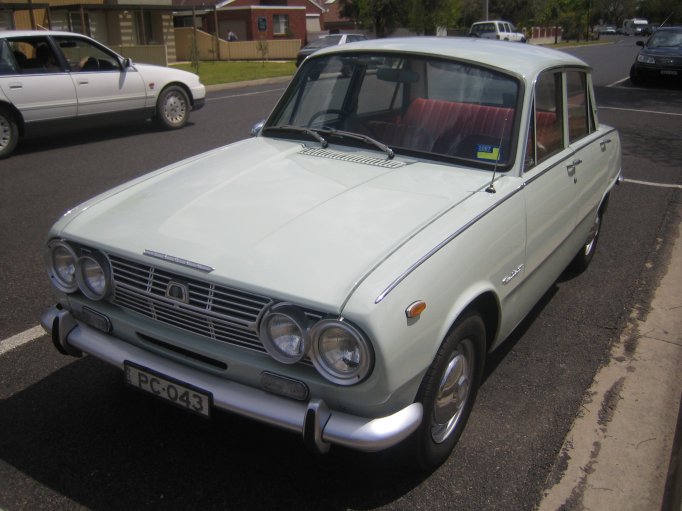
<point x="255" y="131"/>
<point x="127" y="62"/>
<point x="640" y="43"/>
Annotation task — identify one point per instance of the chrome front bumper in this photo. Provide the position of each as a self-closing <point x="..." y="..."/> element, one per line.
<point x="319" y="426"/>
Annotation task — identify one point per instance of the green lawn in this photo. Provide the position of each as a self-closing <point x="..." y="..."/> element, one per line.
<point x="212" y="73"/>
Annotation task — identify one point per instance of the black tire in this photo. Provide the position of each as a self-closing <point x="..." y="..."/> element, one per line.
<point x="584" y="257"/>
<point x="448" y="391"/>
<point x="172" y="108"/>
<point x="9" y="133"/>
<point x="636" y="77"/>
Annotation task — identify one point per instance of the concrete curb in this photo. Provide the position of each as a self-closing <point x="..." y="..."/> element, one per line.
<point x="618" y="452"/>
<point x="248" y="83"/>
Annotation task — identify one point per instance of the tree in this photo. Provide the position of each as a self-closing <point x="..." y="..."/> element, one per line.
<point x="384" y="16"/>
<point x="426" y="16"/>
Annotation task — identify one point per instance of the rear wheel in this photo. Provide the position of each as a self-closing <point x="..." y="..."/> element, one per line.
<point x="583" y="258"/>
<point x="9" y="133"/>
<point x="172" y="108"/>
<point x="448" y="391"/>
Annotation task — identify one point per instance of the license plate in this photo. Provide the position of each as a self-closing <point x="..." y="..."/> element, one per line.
<point x="168" y="389"/>
<point x="668" y="72"/>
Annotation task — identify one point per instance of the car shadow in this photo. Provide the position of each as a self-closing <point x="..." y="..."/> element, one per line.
<point x="71" y="136"/>
<point x="81" y="424"/>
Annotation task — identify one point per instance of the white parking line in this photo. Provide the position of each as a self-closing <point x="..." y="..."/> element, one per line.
<point x="618" y="82"/>
<point x="649" y="183"/>
<point x="230" y="96"/>
<point x="639" y="111"/>
<point x="20" y="339"/>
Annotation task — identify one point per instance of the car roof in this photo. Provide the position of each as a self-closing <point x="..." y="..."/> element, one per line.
<point x="525" y="60"/>
<point x="24" y="33"/>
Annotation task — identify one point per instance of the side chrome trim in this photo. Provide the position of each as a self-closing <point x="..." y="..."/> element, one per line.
<point x="442" y="244"/>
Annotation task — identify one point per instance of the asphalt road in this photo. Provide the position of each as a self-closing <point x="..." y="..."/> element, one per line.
<point x="72" y="437"/>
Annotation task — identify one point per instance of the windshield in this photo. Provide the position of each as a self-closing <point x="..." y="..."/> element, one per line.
<point x="408" y="104"/>
<point x="323" y="42"/>
<point x="665" y="38"/>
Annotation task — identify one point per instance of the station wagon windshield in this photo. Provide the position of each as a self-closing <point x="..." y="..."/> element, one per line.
<point x="442" y="109"/>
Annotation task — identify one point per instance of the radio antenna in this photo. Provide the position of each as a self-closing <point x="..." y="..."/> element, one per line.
<point x="491" y="186"/>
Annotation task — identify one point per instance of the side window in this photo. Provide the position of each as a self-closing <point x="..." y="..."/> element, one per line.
<point x="7" y="63"/>
<point x="33" y="55"/>
<point x="83" y="56"/>
<point x="546" y="131"/>
<point x="579" y="123"/>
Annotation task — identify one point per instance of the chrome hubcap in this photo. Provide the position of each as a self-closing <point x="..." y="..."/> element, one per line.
<point x="453" y="392"/>
<point x="4" y="132"/>
<point x="174" y="108"/>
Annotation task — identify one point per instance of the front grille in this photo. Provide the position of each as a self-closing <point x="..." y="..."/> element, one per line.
<point x="216" y="312"/>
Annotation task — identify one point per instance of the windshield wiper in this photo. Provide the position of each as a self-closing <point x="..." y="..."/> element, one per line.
<point x="299" y="129"/>
<point x="363" y="138"/>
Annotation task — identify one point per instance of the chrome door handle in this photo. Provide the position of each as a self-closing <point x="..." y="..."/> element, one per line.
<point x="603" y="143"/>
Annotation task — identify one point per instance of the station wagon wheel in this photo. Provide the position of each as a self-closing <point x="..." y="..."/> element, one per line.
<point x="584" y="257"/>
<point x="448" y="391"/>
<point x="172" y="108"/>
<point x="9" y="133"/>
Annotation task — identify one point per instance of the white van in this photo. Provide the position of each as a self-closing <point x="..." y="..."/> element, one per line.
<point x="634" y="26"/>
<point x="496" y="29"/>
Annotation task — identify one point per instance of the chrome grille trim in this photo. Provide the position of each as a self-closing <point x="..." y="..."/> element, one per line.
<point x="216" y="312"/>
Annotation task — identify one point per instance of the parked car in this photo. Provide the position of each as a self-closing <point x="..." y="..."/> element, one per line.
<point x="607" y="30"/>
<point x="325" y="41"/>
<point x="49" y="80"/>
<point x="496" y="29"/>
<point x="660" y="57"/>
<point x="345" y="273"/>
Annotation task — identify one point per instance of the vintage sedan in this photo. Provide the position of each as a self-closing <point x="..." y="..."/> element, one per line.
<point x="344" y="274"/>
<point x="51" y="80"/>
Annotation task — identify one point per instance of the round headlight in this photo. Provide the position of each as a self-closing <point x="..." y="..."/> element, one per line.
<point x="92" y="275"/>
<point x="284" y="334"/>
<point x="341" y="353"/>
<point x="61" y="265"/>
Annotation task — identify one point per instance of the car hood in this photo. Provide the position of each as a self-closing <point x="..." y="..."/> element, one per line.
<point x="272" y="219"/>
<point x="663" y="51"/>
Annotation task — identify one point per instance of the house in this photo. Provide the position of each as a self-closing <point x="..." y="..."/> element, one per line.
<point x="140" y="29"/>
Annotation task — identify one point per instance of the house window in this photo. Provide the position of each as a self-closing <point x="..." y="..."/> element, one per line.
<point x="6" y="20"/>
<point x="144" y="27"/>
<point x="76" y="22"/>
<point x="280" y="24"/>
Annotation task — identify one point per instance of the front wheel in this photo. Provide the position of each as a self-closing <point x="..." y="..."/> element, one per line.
<point x="636" y="77"/>
<point x="9" y="133"/>
<point x="448" y="391"/>
<point x="172" y="108"/>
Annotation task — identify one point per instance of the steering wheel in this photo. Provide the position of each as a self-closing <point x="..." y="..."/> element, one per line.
<point x="337" y="111"/>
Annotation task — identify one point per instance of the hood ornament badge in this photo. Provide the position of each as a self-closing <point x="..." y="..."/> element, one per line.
<point x="179" y="260"/>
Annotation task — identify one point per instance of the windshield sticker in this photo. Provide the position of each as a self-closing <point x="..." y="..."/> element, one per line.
<point x="487" y="152"/>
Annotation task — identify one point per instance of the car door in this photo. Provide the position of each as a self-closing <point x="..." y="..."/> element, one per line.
<point x="589" y="146"/>
<point x="35" y="81"/>
<point x="549" y="186"/>
<point x="103" y="85"/>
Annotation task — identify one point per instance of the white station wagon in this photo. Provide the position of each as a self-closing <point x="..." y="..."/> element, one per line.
<point x="344" y="274"/>
<point x="49" y="80"/>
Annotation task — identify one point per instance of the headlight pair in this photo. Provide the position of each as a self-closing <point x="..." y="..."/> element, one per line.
<point x="338" y="350"/>
<point x="70" y="272"/>
<point x="646" y="59"/>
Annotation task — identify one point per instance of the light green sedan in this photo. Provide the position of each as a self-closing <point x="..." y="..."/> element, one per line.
<point x="344" y="273"/>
